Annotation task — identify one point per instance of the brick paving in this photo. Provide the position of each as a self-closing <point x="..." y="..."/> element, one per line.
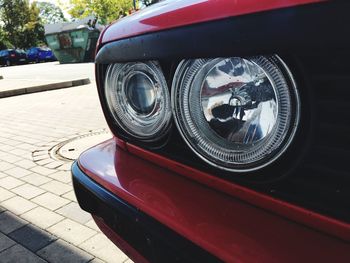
<point x="40" y="220"/>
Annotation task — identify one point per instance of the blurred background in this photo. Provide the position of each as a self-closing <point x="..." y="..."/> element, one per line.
<point x="67" y="30"/>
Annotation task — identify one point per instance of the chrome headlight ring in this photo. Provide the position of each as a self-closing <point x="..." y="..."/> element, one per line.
<point x="237" y="114"/>
<point x="138" y="99"/>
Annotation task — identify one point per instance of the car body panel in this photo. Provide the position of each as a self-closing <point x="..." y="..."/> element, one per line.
<point x="40" y="54"/>
<point x="277" y="206"/>
<point x="229" y="228"/>
<point x="174" y="13"/>
<point x="110" y="233"/>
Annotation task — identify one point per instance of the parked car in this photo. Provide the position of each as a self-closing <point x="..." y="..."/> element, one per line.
<point x="10" y="57"/>
<point x="39" y="54"/>
<point x="231" y="133"/>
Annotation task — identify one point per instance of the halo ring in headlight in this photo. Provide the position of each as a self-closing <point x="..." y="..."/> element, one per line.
<point x="238" y="114"/>
<point x="138" y="98"/>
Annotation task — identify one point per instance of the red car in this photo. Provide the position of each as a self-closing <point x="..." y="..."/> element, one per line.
<point x="231" y="133"/>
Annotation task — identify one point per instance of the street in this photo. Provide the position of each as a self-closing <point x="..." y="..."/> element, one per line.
<point x="40" y="219"/>
<point x="35" y="75"/>
<point x="48" y="71"/>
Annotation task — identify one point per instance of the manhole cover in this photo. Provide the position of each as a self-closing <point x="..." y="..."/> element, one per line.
<point x="71" y="149"/>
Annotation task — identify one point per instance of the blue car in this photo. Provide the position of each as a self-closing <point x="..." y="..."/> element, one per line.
<point x="38" y="54"/>
<point x="10" y="57"/>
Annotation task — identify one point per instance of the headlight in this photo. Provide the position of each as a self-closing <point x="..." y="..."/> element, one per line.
<point x="138" y="98"/>
<point x="239" y="114"/>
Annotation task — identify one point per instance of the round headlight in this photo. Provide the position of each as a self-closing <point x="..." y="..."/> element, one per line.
<point x="138" y="98"/>
<point x="239" y="114"/>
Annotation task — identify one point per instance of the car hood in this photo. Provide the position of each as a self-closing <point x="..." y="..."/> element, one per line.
<point x="175" y="13"/>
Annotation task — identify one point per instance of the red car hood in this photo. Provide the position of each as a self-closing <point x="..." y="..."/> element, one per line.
<point x="175" y="13"/>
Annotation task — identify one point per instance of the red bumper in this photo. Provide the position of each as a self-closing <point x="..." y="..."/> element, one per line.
<point x="227" y="227"/>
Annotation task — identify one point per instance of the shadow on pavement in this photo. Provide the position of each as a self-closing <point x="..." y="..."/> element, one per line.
<point x="23" y="242"/>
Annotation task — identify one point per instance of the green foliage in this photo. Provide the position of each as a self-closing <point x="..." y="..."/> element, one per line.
<point x="21" y="23"/>
<point x="50" y="13"/>
<point x="106" y="10"/>
<point x="4" y="42"/>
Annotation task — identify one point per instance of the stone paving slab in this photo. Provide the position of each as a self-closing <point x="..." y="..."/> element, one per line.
<point x="96" y="260"/>
<point x="61" y="251"/>
<point x="62" y="176"/>
<point x="28" y="191"/>
<point x="2" y="175"/>
<point x="50" y="201"/>
<point x="18" y="205"/>
<point x="32" y="238"/>
<point x="10" y="158"/>
<point x="17" y="172"/>
<point x="73" y="211"/>
<point x="42" y="170"/>
<point x="5" y="194"/>
<point x="39" y="215"/>
<point x="92" y="225"/>
<point x="5" y="242"/>
<point x="10" y="222"/>
<point x="26" y="164"/>
<point x="71" y="231"/>
<point x="36" y="179"/>
<point x="56" y="187"/>
<point x="71" y="196"/>
<point x="5" y="165"/>
<point x="9" y="182"/>
<point x="102" y="247"/>
<point x="19" y="254"/>
<point x="42" y="217"/>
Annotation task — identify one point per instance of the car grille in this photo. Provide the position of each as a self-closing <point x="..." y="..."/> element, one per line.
<point x="322" y="182"/>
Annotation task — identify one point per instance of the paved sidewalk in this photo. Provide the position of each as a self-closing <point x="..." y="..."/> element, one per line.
<point x="40" y="219"/>
<point x="30" y="78"/>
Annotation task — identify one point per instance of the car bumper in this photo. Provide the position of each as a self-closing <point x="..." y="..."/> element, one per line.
<point x="157" y="215"/>
<point x="150" y="240"/>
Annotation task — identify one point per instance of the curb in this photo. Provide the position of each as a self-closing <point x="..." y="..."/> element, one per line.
<point x="46" y="87"/>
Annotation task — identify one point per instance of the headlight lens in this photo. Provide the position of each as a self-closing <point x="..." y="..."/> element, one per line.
<point x="238" y="114"/>
<point x="138" y="98"/>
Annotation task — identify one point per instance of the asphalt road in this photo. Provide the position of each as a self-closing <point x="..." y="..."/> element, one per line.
<point x="48" y="71"/>
<point x="24" y="79"/>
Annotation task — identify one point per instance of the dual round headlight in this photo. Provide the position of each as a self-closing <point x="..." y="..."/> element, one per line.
<point x="238" y="114"/>
<point x="138" y="98"/>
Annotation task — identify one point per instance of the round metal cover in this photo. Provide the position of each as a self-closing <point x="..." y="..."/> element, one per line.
<point x="71" y="149"/>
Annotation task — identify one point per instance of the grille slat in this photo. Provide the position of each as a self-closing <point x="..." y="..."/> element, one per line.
<point x="324" y="177"/>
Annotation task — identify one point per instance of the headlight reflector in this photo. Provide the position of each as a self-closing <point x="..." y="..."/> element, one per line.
<point x="138" y="98"/>
<point x="238" y="114"/>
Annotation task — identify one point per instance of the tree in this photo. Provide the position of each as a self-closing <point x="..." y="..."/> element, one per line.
<point x="34" y="33"/>
<point x="106" y="10"/>
<point x="50" y="13"/>
<point x="21" y="23"/>
<point x="13" y="16"/>
<point x="4" y="41"/>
